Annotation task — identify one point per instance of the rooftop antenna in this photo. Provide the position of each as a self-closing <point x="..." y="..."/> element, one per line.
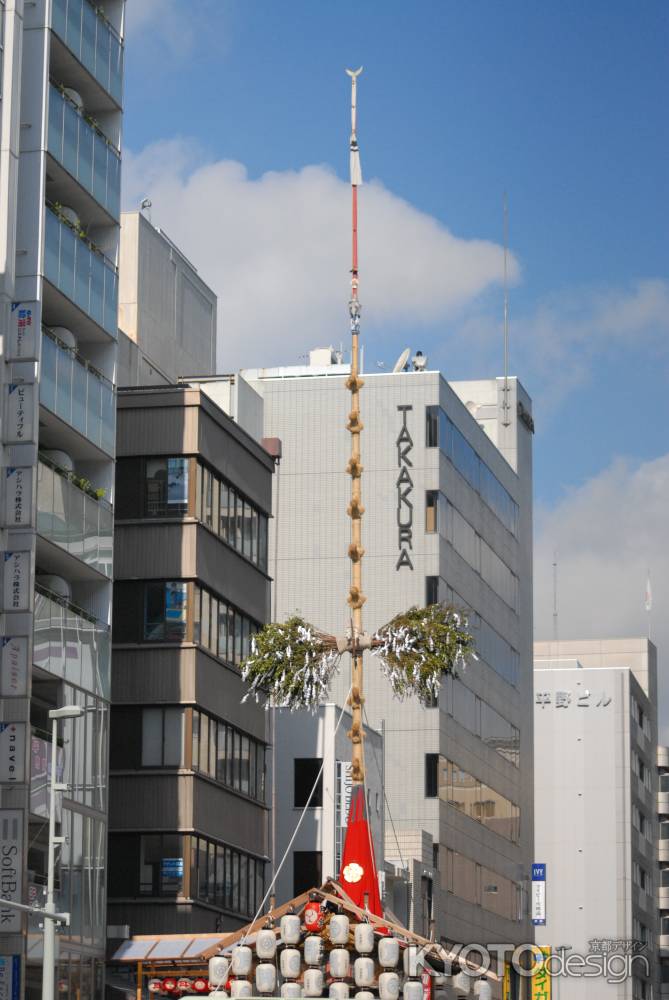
<point x="555" y="597"/>
<point x="505" y="405"/>
<point x="401" y="362"/>
<point x="146" y="204"/>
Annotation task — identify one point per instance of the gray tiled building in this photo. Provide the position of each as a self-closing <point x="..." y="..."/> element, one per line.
<point x="188" y="803"/>
<point x="596" y="802"/>
<point x="447" y="490"/>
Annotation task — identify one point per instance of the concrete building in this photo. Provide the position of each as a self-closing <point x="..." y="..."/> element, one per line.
<point x="60" y="130"/>
<point x="167" y="314"/>
<point x="663" y="859"/>
<point x="447" y="490"/>
<point x="189" y="819"/>
<point x="595" y="740"/>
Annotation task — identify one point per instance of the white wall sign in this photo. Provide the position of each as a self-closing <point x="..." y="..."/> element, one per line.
<point x="18" y="496"/>
<point x="16" y="581"/>
<point x="10" y="977"/>
<point x="19" y="410"/>
<point x="11" y="867"/>
<point x="12" y="751"/>
<point x="538" y="894"/>
<point x="13" y="666"/>
<point x="24" y="331"/>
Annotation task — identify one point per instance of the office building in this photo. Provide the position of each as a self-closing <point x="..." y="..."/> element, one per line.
<point x="447" y="493"/>
<point x="663" y="859"/>
<point x="189" y="817"/>
<point x="62" y="69"/>
<point x="596" y="795"/>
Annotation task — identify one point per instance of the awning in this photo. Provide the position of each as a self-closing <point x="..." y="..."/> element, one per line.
<point x="166" y="948"/>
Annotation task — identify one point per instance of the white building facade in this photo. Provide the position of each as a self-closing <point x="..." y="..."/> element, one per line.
<point x="447" y="493"/>
<point x="62" y="71"/>
<point x="596" y="787"/>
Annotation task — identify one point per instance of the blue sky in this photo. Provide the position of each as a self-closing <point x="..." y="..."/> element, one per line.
<point x="561" y="104"/>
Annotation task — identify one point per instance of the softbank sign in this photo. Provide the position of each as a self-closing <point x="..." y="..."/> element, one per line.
<point x="528" y="960"/>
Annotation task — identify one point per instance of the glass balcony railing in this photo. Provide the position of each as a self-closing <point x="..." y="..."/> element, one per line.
<point x="81" y="273"/>
<point x="92" y="40"/>
<point x="71" y="644"/>
<point x="71" y="518"/>
<point x="77" y="393"/>
<point x="84" y="152"/>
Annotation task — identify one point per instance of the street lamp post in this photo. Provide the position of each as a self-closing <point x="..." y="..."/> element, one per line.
<point x="49" y="956"/>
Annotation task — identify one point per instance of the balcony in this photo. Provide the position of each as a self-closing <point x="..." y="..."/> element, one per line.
<point x="84" y="152"/>
<point x="70" y="643"/>
<point x="78" y="394"/>
<point x="93" y="41"/>
<point x="69" y="517"/>
<point x="81" y="272"/>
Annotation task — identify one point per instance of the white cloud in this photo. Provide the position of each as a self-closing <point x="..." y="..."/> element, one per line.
<point x="556" y="346"/>
<point x="277" y="250"/>
<point x="607" y="534"/>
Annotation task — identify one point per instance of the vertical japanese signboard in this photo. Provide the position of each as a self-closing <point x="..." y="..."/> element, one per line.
<point x="538" y="894"/>
<point x="10" y="977"/>
<point x="541" y="980"/>
<point x="11" y="867"/>
<point x="23" y="331"/>
<point x="13" y="666"/>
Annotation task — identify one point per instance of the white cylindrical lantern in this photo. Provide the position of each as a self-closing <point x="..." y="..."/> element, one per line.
<point x="242" y="960"/>
<point x="338" y="991"/>
<point x="290" y="928"/>
<point x="462" y="984"/>
<point x="313" y="950"/>
<point x="412" y="989"/>
<point x="364" y="939"/>
<point x="389" y="986"/>
<point x="483" y="989"/>
<point x="218" y="995"/>
<point x="219" y="966"/>
<point x="338" y="929"/>
<point x="240" y="988"/>
<point x="291" y="991"/>
<point x="340" y="963"/>
<point x="313" y="983"/>
<point x="364" y="995"/>
<point x="363" y="971"/>
<point x="389" y="953"/>
<point x="290" y="963"/>
<point x="266" y="944"/>
<point x="265" y="977"/>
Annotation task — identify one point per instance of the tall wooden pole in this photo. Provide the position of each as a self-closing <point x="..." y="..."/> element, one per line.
<point x="354" y="383"/>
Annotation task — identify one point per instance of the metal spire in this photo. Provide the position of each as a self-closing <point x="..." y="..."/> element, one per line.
<point x="354" y="383"/>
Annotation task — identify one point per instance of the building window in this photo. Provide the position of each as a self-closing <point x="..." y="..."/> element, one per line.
<point x="165" y="607"/>
<point x="161" y="864"/>
<point x="307" y="871"/>
<point x="220" y="628"/>
<point x="431" y="426"/>
<point x="225" y="877"/>
<point x="431" y="590"/>
<point x="166" y="487"/>
<point x="306" y="775"/>
<point x="232" y="517"/>
<point x="431" y="775"/>
<point x="482" y="803"/>
<point x="664" y="877"/>
<point x="162" y="737"/>
<point x="431" y="508"/>
<point x="228" y="756"/>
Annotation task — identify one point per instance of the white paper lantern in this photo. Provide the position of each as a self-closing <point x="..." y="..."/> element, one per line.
<point x="219" y="966"/>
<point x="363" y="971"/>
<point x="364" y="995"/>
<point x="313" y="983"/>
<point x="339" y="925"/>
<point x="242" y="960"/>
<point x="412" y="989"/>
<point x="290" y="963"/>
<point x="313" y="950"/>
<point x="340" y="963"/>
<point x="389" y="953"/>
<point x="240" y="988"/>
<point x="290" y="928"/>
<point x="218" y="995"/>
<point x="338" y="991"/>
<point x="462" y="984"/>
<point x="266" y="944"/>
<point x="483" y="989"/>
<point x="291" y="991"/>
<point x="389" y="986"/>
<point x="265" y="977"/>
<point x="364" y="939"/>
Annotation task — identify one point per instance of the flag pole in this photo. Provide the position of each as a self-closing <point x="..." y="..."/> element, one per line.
<point x="354" y="384"/>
